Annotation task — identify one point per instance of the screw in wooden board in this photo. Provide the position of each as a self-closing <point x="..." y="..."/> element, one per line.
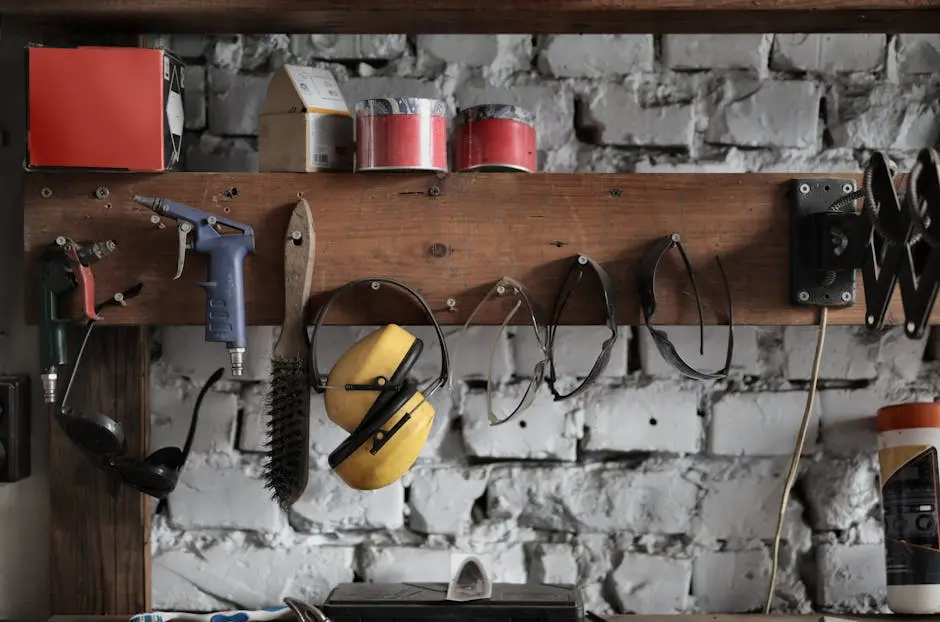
<point x="434" y="191"/>
<point x="102" y="192"/>
<point x="451" y="304"/>
<point x="45" y="192"/>
<point x="615" y="192"/>
<point x="804" y="296"/>
<point x="437" y="250"/>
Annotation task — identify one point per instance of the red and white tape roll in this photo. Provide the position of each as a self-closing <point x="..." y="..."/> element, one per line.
<point x="495" y="137"/>
<point x="401" y="134"/>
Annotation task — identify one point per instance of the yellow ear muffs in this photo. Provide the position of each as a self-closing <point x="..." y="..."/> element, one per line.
<point x="369" y="394"/>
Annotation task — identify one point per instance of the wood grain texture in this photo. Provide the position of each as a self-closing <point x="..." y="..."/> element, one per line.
<point x="479" y="16"/>
<point x="299" y="261"/>
<point x="449" y="236"/>
<point x="100" y="533"/>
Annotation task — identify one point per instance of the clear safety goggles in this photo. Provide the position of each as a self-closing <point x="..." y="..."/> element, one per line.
<point x="509" y="289"/>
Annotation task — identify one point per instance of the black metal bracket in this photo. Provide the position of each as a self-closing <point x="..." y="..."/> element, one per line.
<point x="826" y="247"/>
<point x="894" y="241"/>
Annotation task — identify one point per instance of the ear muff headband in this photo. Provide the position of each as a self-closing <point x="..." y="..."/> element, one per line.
<point x="319" y="381"/>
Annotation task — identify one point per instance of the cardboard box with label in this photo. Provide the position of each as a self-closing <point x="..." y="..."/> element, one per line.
<point x="305" y="124"/>
<point x="105" y="108"/>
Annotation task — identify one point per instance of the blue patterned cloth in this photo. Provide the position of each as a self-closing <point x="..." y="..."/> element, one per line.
<point x="261" y="615"/>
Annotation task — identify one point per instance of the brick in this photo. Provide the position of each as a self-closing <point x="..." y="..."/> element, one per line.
<point x="841" y="492"/>
<point x="252" y="428"/>
<point x="171" y="592"/>
<point x="715" y="51"/>
<point x="441" y="499"/>
<point x="657" y="417"/>
<point x="772" y="113"/>
<point x="553" y="563"/>
<point x="226" y="51"/>
<point x="235" y="100"/>
<point x="424" y="565"/>
<point x="900" y="356"/>
<point x="249" y="577"/>
<point x="576" y="349"/>
<point x="547" y="430"/>
<point x="839" y="161"/>
<point x="222" y="497"/>
<point x="621" y="119"/>
<point x="745" y="357"/>
<point x="886" y="116"/>
<point x="194" y="99"/>
<point x="348" y="508"/>
<point x="264" y="52"/>
<point x="333" y="341"/>
<point x="725" y="515"/>
<point x="214" y="155"/>
<point x="472" y="50"/>
<point x="185" y="351"/>
<point x="652" y="585"/>
<point x="357" y="89"/>
<point x="348" y="47"/>
<point x="596" y="500"/>
<point x="596" y="56"/>
<point x="445" y="443"/>
<point x="730" y="582"/>
<point x="552" y="104"/>
<point x="259" y="352"/>
<point x="761" y="424"/>
<point x="188" y="46"/>
<point x="847" y="419"/>
<point x="851" y="577"/>
<point x="829" y="53"/>
<point x="653" y="165"/>
<point x="171" y="408"/>
<point x="469" y="353"/>
<point x="918" y="53"/>
<point x="849" y="353"/>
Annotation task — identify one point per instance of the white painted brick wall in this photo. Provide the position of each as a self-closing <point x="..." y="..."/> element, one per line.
<point x="647" y="518"/>
<point x="657" y="417"/>
<point x="761" y="424"/>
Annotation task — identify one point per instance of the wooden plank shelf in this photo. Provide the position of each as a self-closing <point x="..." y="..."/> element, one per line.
<point x="478" y="16"/>
<point x="448" y="236"/>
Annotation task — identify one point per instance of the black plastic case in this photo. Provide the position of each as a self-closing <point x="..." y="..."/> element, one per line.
<point x="415" y="602"/>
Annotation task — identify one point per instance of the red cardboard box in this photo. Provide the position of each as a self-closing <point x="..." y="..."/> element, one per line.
<point x="104" y="108"/>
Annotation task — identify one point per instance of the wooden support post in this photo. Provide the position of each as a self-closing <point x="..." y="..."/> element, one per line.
<point x="101" y="530"/>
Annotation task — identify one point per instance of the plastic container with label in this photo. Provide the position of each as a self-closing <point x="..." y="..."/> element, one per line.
<point x="908" y="442"/>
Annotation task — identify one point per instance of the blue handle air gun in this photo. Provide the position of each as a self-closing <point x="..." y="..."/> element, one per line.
<point x="225" y="289"/>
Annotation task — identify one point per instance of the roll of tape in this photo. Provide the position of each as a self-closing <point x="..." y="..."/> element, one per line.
<point x="401" y="134"/>
<point x="496" y="137"/>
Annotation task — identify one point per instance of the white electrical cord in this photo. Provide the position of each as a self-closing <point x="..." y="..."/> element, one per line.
<point x="795" y="461"/>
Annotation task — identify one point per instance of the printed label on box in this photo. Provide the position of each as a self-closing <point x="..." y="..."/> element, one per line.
<point x="317" y="89"/>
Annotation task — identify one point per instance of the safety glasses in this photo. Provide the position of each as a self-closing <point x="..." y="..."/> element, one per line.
<point x="646" y="284"/>
<point x="579" y="267"/>
<point x="509" y="288"/>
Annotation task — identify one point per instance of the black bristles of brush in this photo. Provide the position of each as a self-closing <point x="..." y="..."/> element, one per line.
<point x="287" y="407"/>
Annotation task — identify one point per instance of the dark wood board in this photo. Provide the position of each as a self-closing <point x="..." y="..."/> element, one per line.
<point x="100" y="532"/>
<point x="477" y="16"/>
<point x="448" y="236"/>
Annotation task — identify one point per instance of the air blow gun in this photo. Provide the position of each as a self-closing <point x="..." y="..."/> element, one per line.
<point x="224" y="287"/>
<point x="64" y="266"/>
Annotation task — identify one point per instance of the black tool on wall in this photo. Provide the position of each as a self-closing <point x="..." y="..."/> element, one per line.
<point x="14" y="428"/>
<point x="102" y="440"/>
<point x="894" y="240"/>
